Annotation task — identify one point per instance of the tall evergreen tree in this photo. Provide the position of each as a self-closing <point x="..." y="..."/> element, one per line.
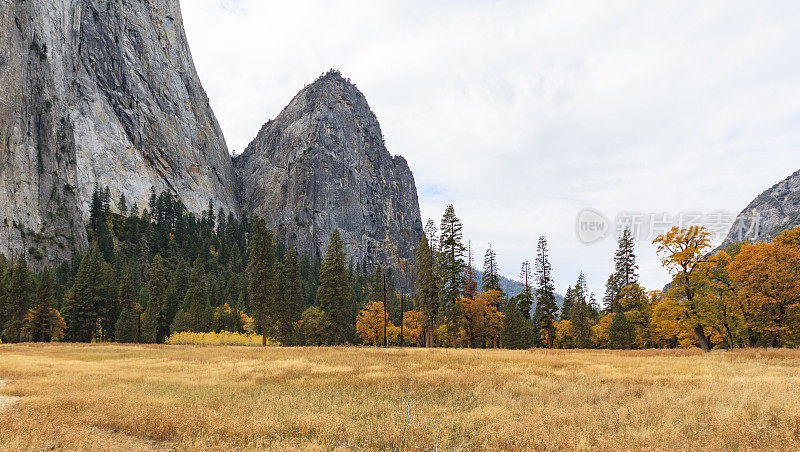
<point x="43" y="322"/>
<point x="261" y="271"/>
<point x="432" y="235"/>
<point x="85" y="301"/>
<point x="517" y="329"/>
<point x="451" y="259"/>
<point x="176" y="292"/>
<point x="525" y="297"/>
<point x="18" y="300"/>
<point x="566" y="305"/>
<point x="96" y="211"/>
<point x="490" y="279"/>
<point x="427" y="288"/>
<point x="125" y="330"/>
<point x="545" y="294"/>
<point x="333" y="295"/>
<point x="196" y="310"/>
<point x="621" y="332"/>
<point x="4" y="277"/>
<point x="108" y="308"/>
<point x="612" y="295"/>
<point x="156" y="312"/>
<point x="581" y="325"/>
<point x="625" y="266"/>
<point x="293" y="296"/>
<point x="470" y="288"/>
<point x="123" y="205"/>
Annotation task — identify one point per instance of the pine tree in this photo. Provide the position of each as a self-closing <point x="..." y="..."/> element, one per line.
<point x="427" y="288"/>
<point x="470" y="289"/>
<point x="123" y="205"/>
<point x="96" y="213"/>
<point x="125" y="330"/>
<point x="85" y="300"/>
<point x="621" y="332"/>
<point x="612" y="295"/>
<point x="376" y="288"/>
<point x="566" y="305"/>
<point x="581" y="327"/>
<point x="525" y="298"/>
<point x="451" y="260"/>
<point x="108" y="308"/>
<point x="625" y="260"/>
<point x="490" y="279"/>
<point x="4" y="307"/>
<point x="43" y="322"/>
<point x="293" y="296"/>
<point x="128" y="293"/>
<point x="176" y="292"/>
<point x="18" y="300"/>
<point x="261" y="271"/>
<point x="517" y="329"/>
<point x="333" y="295"/>
<point x="545" y="294"/>
<point x="104" y="240"/>
<point x="432" y="235"/>
<point x="156" y="313"/>
<point x="195" y="308"/>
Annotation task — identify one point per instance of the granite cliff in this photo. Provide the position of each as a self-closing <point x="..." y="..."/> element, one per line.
<point x="99" y="92"/>
<point x="773" y="211"/>
<point x="106" y="92"/>
<point x="321" y="165"/>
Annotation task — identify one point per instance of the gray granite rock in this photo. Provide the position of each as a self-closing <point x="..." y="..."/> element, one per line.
<point x="772" y="212"/>
<point x="99" y="91"/>
<point x="322" y="165"/>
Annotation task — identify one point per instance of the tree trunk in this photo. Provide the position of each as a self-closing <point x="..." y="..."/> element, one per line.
<point x="701" y="336"/>
<point x="263" y="332"/>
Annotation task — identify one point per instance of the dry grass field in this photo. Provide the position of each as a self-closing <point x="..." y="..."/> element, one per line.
<point x="115" y="397"/>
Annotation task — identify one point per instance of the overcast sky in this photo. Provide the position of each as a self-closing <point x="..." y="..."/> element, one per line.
<point x="523" y="113"/>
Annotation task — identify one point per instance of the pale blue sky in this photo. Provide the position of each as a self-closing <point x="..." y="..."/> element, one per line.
<point x="523" y="113"/>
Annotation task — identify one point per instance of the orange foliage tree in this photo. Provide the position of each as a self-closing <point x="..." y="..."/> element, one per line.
<point x="413" y="326"/>
<point x="767" y="282"/>
<point x="370" y="322"/>
<point x="481" y="322"/>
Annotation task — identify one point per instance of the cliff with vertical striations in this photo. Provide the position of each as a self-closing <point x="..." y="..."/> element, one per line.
<point x="99" y="91"/>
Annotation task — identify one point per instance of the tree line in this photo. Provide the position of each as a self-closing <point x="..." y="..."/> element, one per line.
<point x="160" y="270"/>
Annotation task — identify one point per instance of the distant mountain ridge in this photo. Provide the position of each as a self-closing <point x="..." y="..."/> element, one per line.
<point x="511" y="287"/>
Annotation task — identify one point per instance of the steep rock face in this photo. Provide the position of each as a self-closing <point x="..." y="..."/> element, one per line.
<point x="97" y="91"/>
<point x="322" y="165"/>
<point x="772" y="212"/>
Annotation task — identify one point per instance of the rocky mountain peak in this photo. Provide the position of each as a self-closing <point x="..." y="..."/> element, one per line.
<point x="772" y="212"/>
<point x="322" y="165"/>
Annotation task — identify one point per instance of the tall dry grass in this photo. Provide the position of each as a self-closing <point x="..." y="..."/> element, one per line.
<point x="100" y="397"/>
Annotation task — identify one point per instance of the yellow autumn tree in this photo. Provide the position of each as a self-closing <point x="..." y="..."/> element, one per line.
<point x="413" y="327"/>
<point x="670" y="324"/>
<point x="481" y="322"/>
<point x="600" y="330"/>
<point x="564" y="337"/>
<point x="370" y="323"/>
<point x="682" y="252"/>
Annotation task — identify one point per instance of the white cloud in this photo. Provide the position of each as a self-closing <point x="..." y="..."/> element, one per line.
<point x="535" y="109"/>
